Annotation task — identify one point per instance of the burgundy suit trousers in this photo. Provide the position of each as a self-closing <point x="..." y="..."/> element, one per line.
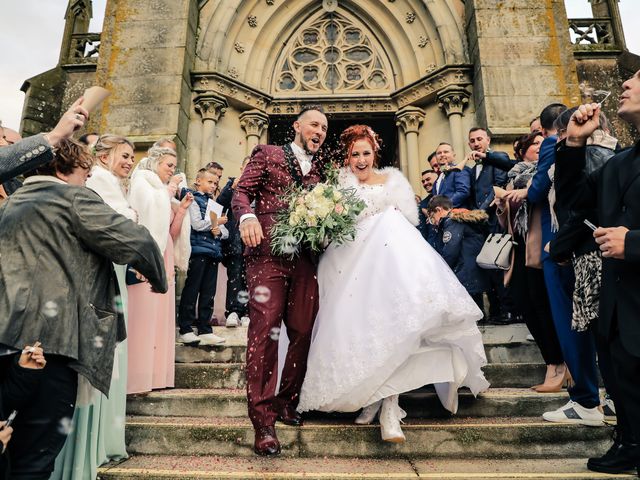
<point x="281" y="290"/>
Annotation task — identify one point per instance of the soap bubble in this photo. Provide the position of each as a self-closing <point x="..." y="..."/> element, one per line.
<point x="262" y="294"/>
<point x="243" y="297"/>
<point x="118" y="304"/>
<point x="274" y="333"/>
<point x="50" y="309"/>
<point x="65" y="426"/>
<point x="98" y="341"/>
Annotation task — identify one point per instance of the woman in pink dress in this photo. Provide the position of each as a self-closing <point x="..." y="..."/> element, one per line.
<point x="151" y="327"/>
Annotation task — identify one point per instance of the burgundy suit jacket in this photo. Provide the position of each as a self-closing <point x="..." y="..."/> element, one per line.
<point x="266" y="179"/>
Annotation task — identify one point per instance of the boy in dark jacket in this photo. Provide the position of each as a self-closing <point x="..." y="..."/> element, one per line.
<point x="202" y="276"/>
<point x="461" y="234"/>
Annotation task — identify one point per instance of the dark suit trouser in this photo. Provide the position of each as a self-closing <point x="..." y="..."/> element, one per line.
<point x="578" y="348"/>
<point x="530" y="293"/>
<point x="236" y="283"/>
<point x="611" y="380"/>
<point x="291" y="295"/>
<point x="626" y="369"/>
<point x="41" y="426"/>
<point x="199" y="289"/>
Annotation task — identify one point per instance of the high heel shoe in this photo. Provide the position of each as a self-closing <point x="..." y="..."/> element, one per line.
<point x="549" y="374"/>
<point x="390" y="417"/>
<point x="555" y="384"/>
<point x="368" y="413"/>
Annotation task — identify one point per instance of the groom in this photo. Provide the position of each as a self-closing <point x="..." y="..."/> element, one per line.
<point x="281" y="289"/>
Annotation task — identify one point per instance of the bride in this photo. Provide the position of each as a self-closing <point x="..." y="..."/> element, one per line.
<point x="393" y="317"/>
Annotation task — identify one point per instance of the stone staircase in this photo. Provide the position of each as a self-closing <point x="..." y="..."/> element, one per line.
<point x="200" y="429"/>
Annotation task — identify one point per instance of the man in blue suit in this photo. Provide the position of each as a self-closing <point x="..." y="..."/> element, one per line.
<point x="453" y="182"/>
<point x="484" y="176"/>
<point x="578" y="348"/>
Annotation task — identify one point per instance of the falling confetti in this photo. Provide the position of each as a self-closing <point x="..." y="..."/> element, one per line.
<point x="262" y="294"/>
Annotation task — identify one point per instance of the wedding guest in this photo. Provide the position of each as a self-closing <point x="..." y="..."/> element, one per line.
<point x="525" y="277"/>
<point x="8" y="136"/>
<point x="62" y="256"/>
<point x="18" y="381"/>
<point x="152" y="315"/>
<point x="424" y="227"/>
<point x="216" y="169"/>
<point x="484" y="176"/>
<point x="433" y="162"/>
<point x="202" y="276"/>
<point x="578" y="348"/>
<point x="460" y="237"/>
<point x="614" y="196"/>
<point x="98" y="422"/>
<point x="535" y="125"/>
<point x="237" y="310"/>
<point x="453" y="181"/>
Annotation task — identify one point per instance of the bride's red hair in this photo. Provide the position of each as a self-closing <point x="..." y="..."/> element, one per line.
<point x="352" y="134"/>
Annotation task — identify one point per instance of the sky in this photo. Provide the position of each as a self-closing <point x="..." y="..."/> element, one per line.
<point x="31" y="33"/>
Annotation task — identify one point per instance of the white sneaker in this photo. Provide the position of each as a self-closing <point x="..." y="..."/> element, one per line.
<point x="232" y="320"/>
<point x="244" y="321"/>
<point x="575" y="413"/>
<point x="368" y="413"/>
<point x="608" y="409"/>
<point x="390" y="416"/>
<point x="211" y="339"/>
<point x="189" y="338"/>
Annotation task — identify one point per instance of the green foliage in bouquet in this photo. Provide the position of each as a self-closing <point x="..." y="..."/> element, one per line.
<point x="325" y="214"/>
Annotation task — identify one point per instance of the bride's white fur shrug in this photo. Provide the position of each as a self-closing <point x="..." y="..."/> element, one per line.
<point x="397" y="192"/>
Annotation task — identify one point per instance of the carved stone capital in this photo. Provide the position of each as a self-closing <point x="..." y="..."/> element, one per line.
<point x="453" y="101"/>
<point x="254" y="122"/>
<point x="410" y="118"/>
<point x="210" y="106"/>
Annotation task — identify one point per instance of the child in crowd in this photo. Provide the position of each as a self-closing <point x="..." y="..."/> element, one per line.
<point x="461" y="234"/>
<point x="206" y="252"/>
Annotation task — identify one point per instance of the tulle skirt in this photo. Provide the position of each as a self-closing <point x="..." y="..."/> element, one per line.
<point x="393" y="317"/>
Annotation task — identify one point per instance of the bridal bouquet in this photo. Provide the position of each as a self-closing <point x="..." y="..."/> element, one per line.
<point x="316" y="218"/>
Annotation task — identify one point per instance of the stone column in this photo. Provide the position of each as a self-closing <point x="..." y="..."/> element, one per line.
<point x="410" y="118"/>
<point x="452" y="102"/>
<point x="254" y="123"/>
<point x="210" y="107"/>
<point x="402" y="150"/>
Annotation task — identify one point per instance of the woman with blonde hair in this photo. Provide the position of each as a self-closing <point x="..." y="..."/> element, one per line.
<point x="152" y="316"/>
<point x="98" y="422"/>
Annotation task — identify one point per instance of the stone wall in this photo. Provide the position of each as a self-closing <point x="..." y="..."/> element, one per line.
<point x="146" y="63"/>
<point x="522" y="61"/>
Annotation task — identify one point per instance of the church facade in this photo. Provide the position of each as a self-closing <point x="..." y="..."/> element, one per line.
<point x="220" y="76"/>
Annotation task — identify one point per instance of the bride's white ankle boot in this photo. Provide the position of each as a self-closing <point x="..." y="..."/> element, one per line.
<point x="368" y="413"/>
<point x="390" y="417"/>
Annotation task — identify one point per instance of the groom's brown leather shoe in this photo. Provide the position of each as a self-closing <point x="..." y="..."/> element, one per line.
<point x="289" y="416"/>
<point x="266" y="442"/>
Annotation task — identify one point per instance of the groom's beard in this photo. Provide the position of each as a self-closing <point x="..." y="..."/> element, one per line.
<point x="305" y="142"/>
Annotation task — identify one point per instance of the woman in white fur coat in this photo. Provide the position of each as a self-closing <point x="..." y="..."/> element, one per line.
<point x="393" y="317"/>
<point x="152" y="321"/>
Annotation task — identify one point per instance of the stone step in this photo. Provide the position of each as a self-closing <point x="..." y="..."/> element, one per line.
<point x="225" y="468"/>
<point x="458" y="438"/>
<point x="231" y="375"/>
<point x="503" y="344"/>
<point x="418" y="404"/>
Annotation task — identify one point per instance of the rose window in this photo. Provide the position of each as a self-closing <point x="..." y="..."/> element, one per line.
<point x="332" y="54"/>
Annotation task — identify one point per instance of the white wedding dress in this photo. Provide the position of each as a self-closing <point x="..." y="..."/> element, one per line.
<point x="393" y="317"/>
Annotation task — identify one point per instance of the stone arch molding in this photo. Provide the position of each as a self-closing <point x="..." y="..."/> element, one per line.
<point x="250" y="41"/>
